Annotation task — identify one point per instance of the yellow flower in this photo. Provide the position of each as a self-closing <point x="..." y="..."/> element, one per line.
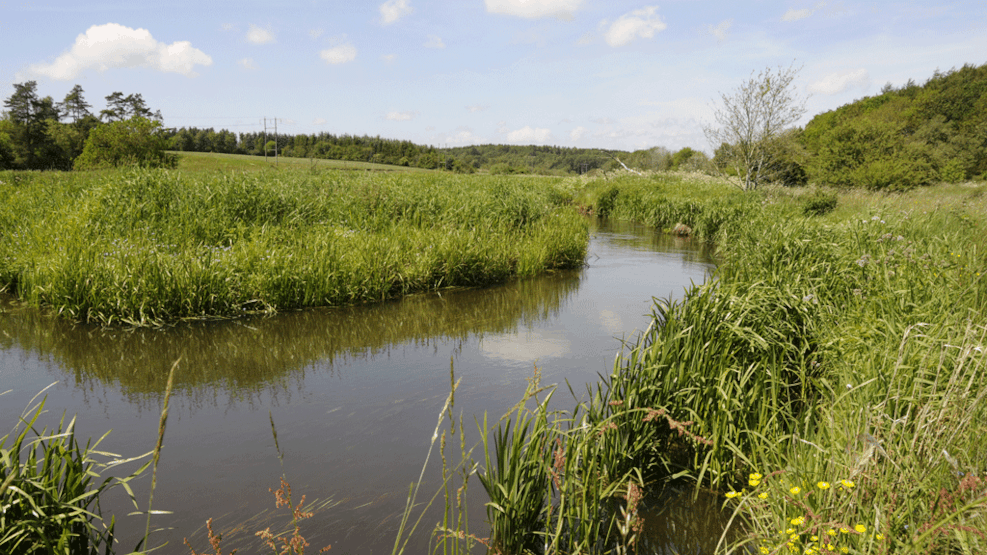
<point x="732" y="494"/>
<point x="763" y="495"/>
<point x="879" y="536"/>
<point x="797" y="521"/>
<point x="794" y="537"/>
<point x="860" y="528"/>
<point x="844" y="530"/>
<point x="814" y="538"/>
<point x="844" y="549"/>
<point x="831" y="532"/>
<point x="790" y="531"/>
<point x="823" y="485"/>
<point x="795" y="490"/>
<point x="847" y="483"/>
<point x="755" y="477"/>
<point x="830" y="546"/>
<point x="765" y="550"/>
<point x="754" y="483"/>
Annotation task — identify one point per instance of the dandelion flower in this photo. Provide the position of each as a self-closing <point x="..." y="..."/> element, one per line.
<point x="795" y="490"/>
<point x="860" y="528"/>
<point x="823" y="485"/>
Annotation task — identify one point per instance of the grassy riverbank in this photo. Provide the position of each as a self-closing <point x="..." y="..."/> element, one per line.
<point x="149" y="247"/>
<point x="830" y="377"/>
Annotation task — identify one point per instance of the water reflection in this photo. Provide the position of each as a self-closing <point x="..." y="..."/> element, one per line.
<point x="355" y="391"/>
<point x="246" y="356"/>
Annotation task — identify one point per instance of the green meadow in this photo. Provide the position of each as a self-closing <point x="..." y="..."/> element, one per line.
<point x="827" y="381"/>
<point x="149" y="247"/>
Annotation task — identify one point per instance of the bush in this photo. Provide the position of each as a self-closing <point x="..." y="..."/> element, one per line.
<point x="819" y="203"/>
<point x="132" y="142"/>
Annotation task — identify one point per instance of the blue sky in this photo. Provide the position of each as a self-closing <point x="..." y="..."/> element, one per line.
<point x="590" y="73"/>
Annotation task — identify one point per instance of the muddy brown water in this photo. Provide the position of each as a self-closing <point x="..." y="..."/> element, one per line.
<point x="354" y="393"/>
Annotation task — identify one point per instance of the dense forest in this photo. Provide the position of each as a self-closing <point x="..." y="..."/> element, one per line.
<point x="903" y="137"/>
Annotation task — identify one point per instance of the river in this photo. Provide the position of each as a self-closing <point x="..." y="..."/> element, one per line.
<point x="354" y="394"/>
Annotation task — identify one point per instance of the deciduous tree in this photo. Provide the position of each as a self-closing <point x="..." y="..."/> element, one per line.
<point x="751" y="118"/>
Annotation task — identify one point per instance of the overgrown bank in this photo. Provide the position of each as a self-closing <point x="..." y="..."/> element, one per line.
<point x="830" y="377"/>
<point x="152" y="246"/>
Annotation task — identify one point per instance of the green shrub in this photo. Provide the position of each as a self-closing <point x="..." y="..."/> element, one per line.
<point x="132" y="142"/>
<point x="819" y="203"/>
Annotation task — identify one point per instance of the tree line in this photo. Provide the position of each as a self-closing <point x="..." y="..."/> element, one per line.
<point x="37" y="133"/>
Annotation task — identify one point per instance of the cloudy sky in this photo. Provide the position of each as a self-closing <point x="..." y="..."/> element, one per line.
<point x="622" y="74"/>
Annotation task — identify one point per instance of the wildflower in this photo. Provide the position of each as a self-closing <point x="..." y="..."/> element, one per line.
<point x="844" y="530"/>
<point x="790" y="531"/>
<point x="797" y="521"/>
<point x="754" y="479"/>
<point x="844" y="549"/>
<point x="831" y="532"/>
<point x="823" y="485"/>
<point x="879" y="536"/>
<point x="793" y="537"/>
<point x="765" y="550"/>
<point x="847" y="483"/>
<point x="763" y="495"/>
<point x="814" y="538"/>
<point x="860" y="528"/>
<point x="732" y="494"/>
<point x="795" y="490"/>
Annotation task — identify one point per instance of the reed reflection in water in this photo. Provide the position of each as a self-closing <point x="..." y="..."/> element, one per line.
<point x="355" y="391"/>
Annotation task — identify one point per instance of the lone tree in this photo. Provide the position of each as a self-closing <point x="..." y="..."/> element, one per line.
<point x="753" y="120"/>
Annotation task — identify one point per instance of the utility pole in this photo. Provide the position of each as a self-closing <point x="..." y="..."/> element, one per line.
<point x="275" y="140"/>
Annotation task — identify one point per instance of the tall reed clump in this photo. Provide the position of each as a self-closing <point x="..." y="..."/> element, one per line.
<point x="829" y="378"/>
<point x="147" y="247"/>
<point x="50" y="489"/>
<point x="663" y="201"/>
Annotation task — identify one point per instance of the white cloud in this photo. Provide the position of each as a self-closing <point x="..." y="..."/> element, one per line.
<point x="578" y="133"/>
<point x="111" y="45"/>
<point x="315" y="33"/>
<point x="795" y="15"/>
<point x="527" y="134"/>
<point x="389" y="57"/>
<point x="247" y="63"/>
<point x="319" y="121"/>
<point x="476" y="108"/>
<point x="434" y="42"/>
<point x="835" y="83"/>
<point x="393" y="10"/>
<point x="228" y="26"/>
<point x="339" y="54"/>
<point x="642" y="23"/>
<point x="720" y="30"/>
<point x="532" y="9"/>
<point x="400" y="116"/>
<point x="256" y="35"/>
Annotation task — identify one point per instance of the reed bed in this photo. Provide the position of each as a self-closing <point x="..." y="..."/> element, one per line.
<point x="829" y="379"/>
<point x="150" y="247"/>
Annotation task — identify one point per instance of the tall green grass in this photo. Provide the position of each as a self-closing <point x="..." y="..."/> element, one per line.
<point x="50" y="489"/>
<point x="148" y="247"/>
<point x="829" y="376"/>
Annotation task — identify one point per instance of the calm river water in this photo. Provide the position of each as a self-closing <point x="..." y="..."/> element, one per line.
<point x="354" y="393"/>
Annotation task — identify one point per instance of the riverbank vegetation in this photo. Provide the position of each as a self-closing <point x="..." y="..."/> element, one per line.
<point x="828" y="379"/>
<point x="147" y="247"/>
